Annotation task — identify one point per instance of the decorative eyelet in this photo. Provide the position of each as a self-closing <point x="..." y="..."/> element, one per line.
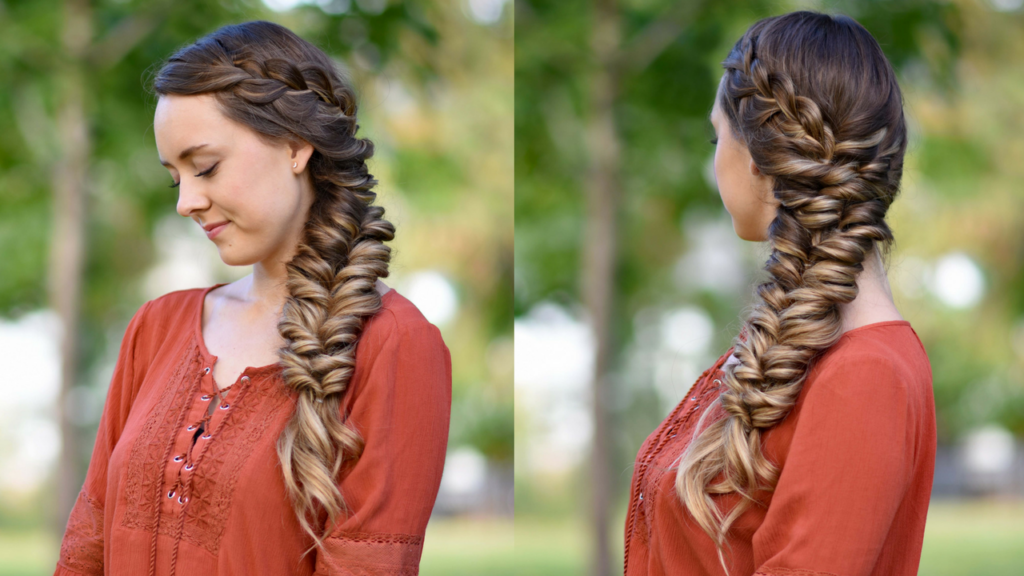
<point x="180" y="501"/>
<point x="205" y="436"/>
<point x="245" y="378"/>
<point x="225" y="406"/>
<point x="170" y="494"/>
<point x="178" y="458"/>
<point x="207" y="370"/>
<point x="206" y="397"/>
<point x="192" y="427"/>
<point x="189" y="466"/>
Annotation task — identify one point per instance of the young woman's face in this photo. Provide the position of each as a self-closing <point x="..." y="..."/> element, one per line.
<point x="745" y="191"/>
<point x="229" y="175"/>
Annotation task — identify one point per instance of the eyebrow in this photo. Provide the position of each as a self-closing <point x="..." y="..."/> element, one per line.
<point x="185" y="153"/>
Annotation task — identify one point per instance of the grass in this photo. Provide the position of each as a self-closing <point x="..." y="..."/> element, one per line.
<point x="468" y="547"/>
<point x="452" y="547"/>
<point x="964" y="538"/>
<point x="961" y="539"/>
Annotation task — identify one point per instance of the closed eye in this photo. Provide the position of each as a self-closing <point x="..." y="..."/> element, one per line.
<point x="203" y="173"/>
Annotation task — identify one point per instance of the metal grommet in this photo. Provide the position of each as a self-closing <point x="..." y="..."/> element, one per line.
<point x="206" y="397"/>
<point x="170" y="494"/>
<point x="178" y="458"/>
<point x="225" y="406"/>
<point x="189" y="466"/>
<point x="207" y="371"/>
<point x="245" y="378"/>
<point x="180" y="501"/>
<point x="192" y="427"/>
<point x="205" y="436"/>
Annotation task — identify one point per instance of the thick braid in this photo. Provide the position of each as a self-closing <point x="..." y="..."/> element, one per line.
<point x="267" y="78"/>
<point x="833" y="196"/>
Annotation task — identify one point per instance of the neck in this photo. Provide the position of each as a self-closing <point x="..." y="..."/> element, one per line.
<point x="266" y="288"/>
<point x="874" y="301"/>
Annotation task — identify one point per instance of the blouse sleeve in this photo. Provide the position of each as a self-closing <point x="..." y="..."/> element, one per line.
<point x="81" y="549"/>
<point x="402" y="412"/>
<point x="847" y="470"/>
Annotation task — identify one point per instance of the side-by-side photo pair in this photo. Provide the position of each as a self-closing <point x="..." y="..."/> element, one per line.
<point x="512" y="288"/>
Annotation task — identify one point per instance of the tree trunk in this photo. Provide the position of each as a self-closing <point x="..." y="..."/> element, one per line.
<point x="599" y="258"/>
<point x="67" y="241"/>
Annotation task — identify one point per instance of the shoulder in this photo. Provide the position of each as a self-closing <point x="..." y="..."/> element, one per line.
<point x="885" y="359"/>
<point x="397" y="342"/>
<point x="399" y="323"/>
<point x="161" y="320"/>
<point x="174" y="305"/>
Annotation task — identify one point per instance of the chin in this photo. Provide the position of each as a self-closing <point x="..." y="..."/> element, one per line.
<point x="233" y="258"/>
<point x="749" y="233"/>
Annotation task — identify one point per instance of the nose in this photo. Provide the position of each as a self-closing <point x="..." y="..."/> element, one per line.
<point x="191" y="198"/>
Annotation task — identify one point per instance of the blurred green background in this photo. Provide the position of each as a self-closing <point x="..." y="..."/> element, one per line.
<point x="627" y="267"/>
<point x="88" y="229"/>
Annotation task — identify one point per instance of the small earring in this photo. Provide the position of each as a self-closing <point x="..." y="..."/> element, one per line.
<point x="295" y="164"/>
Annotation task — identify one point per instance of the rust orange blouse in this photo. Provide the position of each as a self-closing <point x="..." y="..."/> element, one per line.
<point x="856" y="454"/>
<point x="171" y="489"/>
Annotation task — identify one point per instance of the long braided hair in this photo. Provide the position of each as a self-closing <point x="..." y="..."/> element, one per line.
<point x="817" y="104"/>
<point x="267" y="78"/>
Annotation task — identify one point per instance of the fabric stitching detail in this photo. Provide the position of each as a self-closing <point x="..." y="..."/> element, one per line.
<point x="213" y="484"/>
<point x="145" y="470"/>
<point x="82" y="547"/>
<point x="376" y="538"/>
<point x="651" y="449"/>
<point x="372" y="554"/>
<point x="764" y="571"/>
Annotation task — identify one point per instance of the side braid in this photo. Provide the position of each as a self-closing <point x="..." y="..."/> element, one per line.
<point x="833" y="195"/>
<point x="265" y="77"/>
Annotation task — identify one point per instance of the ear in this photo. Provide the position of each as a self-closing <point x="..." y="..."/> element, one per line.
<point x="300" y="152"/>
<point x="754" y="169"/>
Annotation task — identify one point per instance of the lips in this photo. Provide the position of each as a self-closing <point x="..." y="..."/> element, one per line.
<point x="212" y="225"/>
<point x="215" y="228"/>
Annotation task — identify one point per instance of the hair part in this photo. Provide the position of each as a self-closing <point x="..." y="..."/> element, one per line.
<point x="817" y="104"/>
<point x="284" y="88"/>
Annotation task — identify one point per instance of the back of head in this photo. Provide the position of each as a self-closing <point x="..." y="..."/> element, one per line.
<point x="268" y="79"/>
<point x="817" y="104"/>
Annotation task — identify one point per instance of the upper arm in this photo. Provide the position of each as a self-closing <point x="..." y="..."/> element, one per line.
<point x="402" y="411"/>
<point x="845" y="475"/>
<point x="82" y="544"/>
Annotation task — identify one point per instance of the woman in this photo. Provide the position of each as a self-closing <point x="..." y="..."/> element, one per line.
<point x="809" y="446"/>
<point x="302" y="407"/>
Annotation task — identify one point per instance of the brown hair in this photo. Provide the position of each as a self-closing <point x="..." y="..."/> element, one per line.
<point x="817" y="104"/>
<point x="265" y="77"/>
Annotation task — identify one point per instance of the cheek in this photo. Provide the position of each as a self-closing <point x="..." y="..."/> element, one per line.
<point x="724" y="178"/>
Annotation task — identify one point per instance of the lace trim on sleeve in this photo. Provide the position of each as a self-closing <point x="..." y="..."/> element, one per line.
<point x="764" y="571"/>
<point x="362" y="554"/>
<point x="82" y="547"/>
